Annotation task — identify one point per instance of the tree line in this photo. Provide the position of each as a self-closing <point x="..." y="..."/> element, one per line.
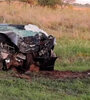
<point x="46" y="2"/>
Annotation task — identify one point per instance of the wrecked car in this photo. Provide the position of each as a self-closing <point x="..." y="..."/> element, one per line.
<point x="22" y="46"/>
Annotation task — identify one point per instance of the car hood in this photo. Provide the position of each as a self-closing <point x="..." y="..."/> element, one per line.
<point x="15" y="32"/>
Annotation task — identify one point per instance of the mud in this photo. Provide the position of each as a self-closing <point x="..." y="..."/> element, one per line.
<point x="54" y="74"/>
<point x="65" y="74"/>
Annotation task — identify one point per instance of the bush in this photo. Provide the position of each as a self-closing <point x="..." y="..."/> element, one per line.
<point x="49" y="2"/>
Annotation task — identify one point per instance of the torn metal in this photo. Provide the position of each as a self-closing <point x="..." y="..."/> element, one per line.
<point x="22" y="46"/>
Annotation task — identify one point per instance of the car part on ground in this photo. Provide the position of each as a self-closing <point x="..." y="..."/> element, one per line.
<point x="23" y="46"/>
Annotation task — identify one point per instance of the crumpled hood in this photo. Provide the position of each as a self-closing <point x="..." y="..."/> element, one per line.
<point x="14" y="32"/>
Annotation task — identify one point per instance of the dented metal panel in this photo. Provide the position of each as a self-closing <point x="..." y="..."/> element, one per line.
<point x="26" y="45"/>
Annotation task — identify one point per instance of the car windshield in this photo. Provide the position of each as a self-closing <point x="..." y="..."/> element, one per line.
<point x="5" y="28"/>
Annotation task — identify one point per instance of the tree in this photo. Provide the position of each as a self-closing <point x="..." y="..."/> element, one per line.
<point x="49" y="2"/>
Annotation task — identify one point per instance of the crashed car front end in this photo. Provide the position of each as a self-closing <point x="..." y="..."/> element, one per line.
<point x="22" y="47"/>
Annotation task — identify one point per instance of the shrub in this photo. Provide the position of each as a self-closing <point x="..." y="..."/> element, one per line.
<point x="49" y="2"/>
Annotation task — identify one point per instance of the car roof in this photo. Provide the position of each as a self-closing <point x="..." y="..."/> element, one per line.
<point x="16" y="29"/>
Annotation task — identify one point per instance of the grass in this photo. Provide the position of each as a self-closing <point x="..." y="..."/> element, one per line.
<point x="74" y="54"/>
<point x="67" y="22"/>
<point x="40" y="88"/>
<point x="71" y="27"/>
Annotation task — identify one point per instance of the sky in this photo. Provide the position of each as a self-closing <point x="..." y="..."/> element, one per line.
<point x="83" y="1"/>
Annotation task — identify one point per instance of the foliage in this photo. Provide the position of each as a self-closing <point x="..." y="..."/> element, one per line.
<point x="49" y="2"/>
<point x="46" y="2"/>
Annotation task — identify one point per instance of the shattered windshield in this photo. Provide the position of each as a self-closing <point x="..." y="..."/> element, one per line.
<point x="17" y="31"/>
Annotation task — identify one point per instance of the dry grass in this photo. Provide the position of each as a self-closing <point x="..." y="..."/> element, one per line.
<point x="71" y="22"/>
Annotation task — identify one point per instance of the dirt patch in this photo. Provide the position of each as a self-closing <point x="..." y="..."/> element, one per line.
<point x="65" y="74"/>
<point x="22" y="76"/>
<point x="55" y="75"/>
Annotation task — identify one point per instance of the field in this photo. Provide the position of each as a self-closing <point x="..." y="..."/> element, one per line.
<point x="71" y="27"/>
<point x="40" y="88"/>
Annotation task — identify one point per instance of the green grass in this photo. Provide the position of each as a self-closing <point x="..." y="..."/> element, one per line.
<point x="40" y="88"/>
<point x="74" y="54"/>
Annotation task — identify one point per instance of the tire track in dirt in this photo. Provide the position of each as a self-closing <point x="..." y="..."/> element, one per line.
<point x="65" y="74"/>
<point x="55" y="75"/>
